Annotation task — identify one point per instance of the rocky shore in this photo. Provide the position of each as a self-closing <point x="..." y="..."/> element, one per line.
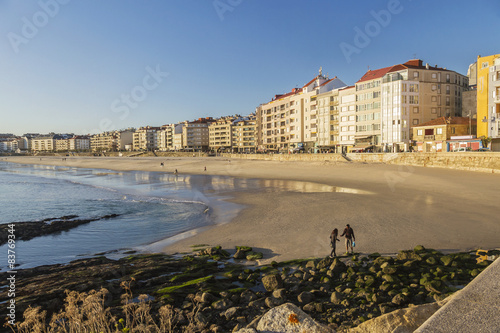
<point x="214" y="290"/>
<point x="31" y="229"/>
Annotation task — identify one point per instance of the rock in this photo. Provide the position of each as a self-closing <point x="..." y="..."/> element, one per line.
<point x="222" y="304"/>
<point x="408" y="255"/>
<point x="272" y="302"/>
<point x="248" y="296"/>
<point x="231" y="312"/>
<point x="336" y="297"/>
<point x="305" y="297"/>
<point x="431" y="261"/>
<point x="419" y="249"/>
<point x="311" y="264"/>
<point x="207" y="298"/>
<point x="446" y="260"/>
<point x="272" y="282"/>
<point x="400" y="321"/>
<point x="258" y="303"/>
<point x="247" y="330"/>
<point x="240" y="254"/>
<point x="309" y="307"/>
<point x="200" y="319"/>
<point x="279" y="293"/>
<point x="399" y="299"/>
<point x="338" y="267"/>
<point x="289" y="318"/>
<point x="254" y="255"/>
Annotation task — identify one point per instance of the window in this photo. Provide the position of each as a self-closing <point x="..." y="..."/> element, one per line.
<point x="434" y="87"/>
<point x="484" y="65"/>
<point x="415" y="74"/>
<point x="415" y="110"/>
<point x="439" y="130"/>
<point x="434" y="98"/>
<point x="415" y="121"/>
<point x="434" y="75"/>
<point x="453" y="130"/>
<point x="434" y="110"/>
<point x="413" y="99"/>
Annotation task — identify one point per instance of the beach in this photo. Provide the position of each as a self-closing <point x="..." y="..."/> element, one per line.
<point x="291" y="216"/>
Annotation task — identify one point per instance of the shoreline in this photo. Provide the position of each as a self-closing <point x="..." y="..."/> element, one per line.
<point x="409" y="205"/>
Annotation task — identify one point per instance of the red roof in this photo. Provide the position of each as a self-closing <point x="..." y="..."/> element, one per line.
<point x="308" y="83"/>
<point x="378" y="73"/>
<point x="413" y="63"/>
<point x="449" y="120"/>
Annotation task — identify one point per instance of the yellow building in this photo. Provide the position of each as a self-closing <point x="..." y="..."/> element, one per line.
<point x="484" y="91"/>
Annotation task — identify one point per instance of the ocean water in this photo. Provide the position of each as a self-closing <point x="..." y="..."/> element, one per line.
<point x="152" y="207"/>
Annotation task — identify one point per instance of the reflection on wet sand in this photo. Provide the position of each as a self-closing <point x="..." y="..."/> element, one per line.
<point x="221" y="183"/>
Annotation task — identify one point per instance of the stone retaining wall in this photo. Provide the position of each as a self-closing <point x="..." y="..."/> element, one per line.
<point x="472" y="161"/>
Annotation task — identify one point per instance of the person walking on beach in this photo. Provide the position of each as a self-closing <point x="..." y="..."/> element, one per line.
<point x="349" y="238"/>
<point x="333" y="241"/>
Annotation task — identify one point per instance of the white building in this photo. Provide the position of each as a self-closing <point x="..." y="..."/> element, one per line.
<point x="9" y="145"/>
<point x="347" y="117"/>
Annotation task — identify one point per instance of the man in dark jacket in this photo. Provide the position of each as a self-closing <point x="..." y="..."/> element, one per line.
<point x="349" y="238"/>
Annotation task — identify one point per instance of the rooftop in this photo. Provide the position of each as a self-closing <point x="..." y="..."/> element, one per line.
<point x="449" y="120"/>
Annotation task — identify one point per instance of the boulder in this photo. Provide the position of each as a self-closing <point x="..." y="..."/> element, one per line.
<point x="240" y="254"/>
<point x="254" y="255"/>
<point x="338" y="267"/>
<point x="400" y="321"/>
<point x="336" y="297"/>
<point x="289" y="318"/>
<point x="272" y="282"/>
<point x="305" y="297"/>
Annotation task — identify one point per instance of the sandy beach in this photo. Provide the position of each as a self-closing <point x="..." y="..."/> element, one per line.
<point x="390" y="207"/>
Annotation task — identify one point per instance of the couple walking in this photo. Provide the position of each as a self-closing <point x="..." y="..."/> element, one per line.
<point x="349" y="239"/>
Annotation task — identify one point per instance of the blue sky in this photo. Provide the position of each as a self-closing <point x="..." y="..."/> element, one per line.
<point x="88" y="66"/>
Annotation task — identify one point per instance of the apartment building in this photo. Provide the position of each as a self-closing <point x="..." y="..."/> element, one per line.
<point x="347" y="118"/>
<point x="290" y="120"/>
<point x="195" y="134"/>
<point x="488" y="96"/>
<point x="146" y="138"/>
<point x="220" y="133"/>
<point x="327" y="123"/>
<point x="112" y="140"/>
<point x="244" y="135"/>
<point x="44" y="143"/>
<point x="79" y="143"/>
<point x="164" y="137"/>
<point x="8" y="144"/>
<point x="391" y="100"/>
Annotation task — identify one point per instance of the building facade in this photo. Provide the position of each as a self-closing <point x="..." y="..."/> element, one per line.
<point x="391" y="100"/>
<point x="112" y="141"/>
<point x="195" y="134"/>
<point x="146" y="138"/>
<point x="220" y="134"/>
<point x="290" y="121"/>
<point x="432" y="136"/>
<point x="488" y="83"/>
<point x="244" y="135"/>
<point x="347" y="118"/>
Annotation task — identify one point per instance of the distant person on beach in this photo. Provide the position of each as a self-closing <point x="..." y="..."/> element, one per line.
<point x="162" y="164"/>
<point x="175" y="172"/>
<point x="349" y="238"/>
<point x="205" y="169"/>
<point x="333" y="241"/>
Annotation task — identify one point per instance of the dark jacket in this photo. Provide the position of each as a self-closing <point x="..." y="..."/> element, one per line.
<point x="349" y="233"/>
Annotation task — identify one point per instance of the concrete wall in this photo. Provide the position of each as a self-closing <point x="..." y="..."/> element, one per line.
<point x="472" y="161"/>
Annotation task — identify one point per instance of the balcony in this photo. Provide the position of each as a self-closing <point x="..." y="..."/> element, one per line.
<point x="428" y="137"/>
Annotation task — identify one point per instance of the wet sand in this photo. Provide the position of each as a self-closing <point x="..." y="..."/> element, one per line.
<point x="398" y="207"/>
